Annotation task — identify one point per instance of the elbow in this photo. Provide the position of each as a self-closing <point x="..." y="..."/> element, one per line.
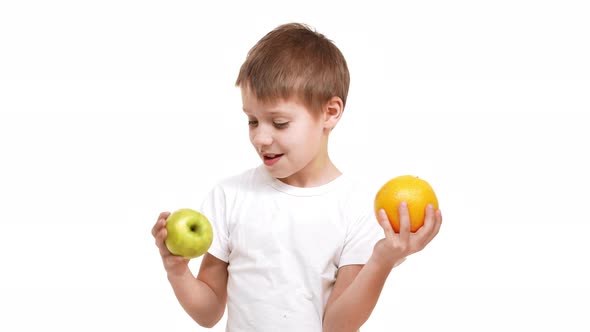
<point x="208" y="321"/>
<point x="207" y="325"/>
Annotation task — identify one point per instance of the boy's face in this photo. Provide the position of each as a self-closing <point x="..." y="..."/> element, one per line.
<point x="290" y="140"/>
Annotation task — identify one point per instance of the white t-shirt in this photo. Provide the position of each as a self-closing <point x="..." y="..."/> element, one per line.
<point x="284" y="245"/>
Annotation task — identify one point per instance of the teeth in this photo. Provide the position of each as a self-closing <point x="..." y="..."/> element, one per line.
<point x="270" y="156"/>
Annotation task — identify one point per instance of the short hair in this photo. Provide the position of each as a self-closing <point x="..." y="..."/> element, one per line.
<point x="293" y="60"/>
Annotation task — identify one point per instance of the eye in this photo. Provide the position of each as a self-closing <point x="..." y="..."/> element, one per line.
<point x="252" y="123"/>
<point x="281" y="125"/>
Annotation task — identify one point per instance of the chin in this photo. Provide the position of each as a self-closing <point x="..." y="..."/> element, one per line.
<point x="277" y="172"/>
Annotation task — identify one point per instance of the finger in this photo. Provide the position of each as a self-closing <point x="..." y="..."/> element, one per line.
<point x="161" y="242"/>
<point x="385" y="224"/>
<point x="160" y="236"/>
<point x="437" y="224"/>
<point x="157" y="226"/>
<point x="404" y="222"/>
<point x="424" y="232"/>
<point x="160" y="222"/>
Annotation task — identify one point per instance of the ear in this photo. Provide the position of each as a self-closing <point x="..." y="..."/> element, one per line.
<point x="332" y="112"/>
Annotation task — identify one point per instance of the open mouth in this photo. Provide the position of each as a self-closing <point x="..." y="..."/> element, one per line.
<point x="271" y="159"/>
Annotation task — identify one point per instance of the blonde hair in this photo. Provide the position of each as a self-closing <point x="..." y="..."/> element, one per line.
<point x="295" y="61"/>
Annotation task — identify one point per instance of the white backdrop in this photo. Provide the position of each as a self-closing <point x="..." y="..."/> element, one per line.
<point x="113" y="111"/>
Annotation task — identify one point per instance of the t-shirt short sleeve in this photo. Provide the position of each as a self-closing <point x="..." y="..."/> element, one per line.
<point x="213" y="207"/>
<point x="362" y="235"/>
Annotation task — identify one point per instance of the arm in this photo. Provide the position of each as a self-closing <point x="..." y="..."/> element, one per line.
<point x="354" y="296"/>
<point x="203" y="298"/>
<point x="358" y="287"/>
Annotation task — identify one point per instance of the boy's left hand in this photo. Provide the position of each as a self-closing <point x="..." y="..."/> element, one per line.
<point x="392" y="249"/>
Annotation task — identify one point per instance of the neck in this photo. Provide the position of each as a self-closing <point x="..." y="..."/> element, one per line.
<point x="318" y="172"/>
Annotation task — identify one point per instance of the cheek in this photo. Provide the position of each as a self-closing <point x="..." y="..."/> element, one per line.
<point x="252" y="136"/>
<point x="306" y="140"/>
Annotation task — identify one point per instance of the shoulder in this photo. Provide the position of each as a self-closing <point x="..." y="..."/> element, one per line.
<point x="245" y="179"/>
<point x="238" y="186"/>
<point x="356" y="193"/>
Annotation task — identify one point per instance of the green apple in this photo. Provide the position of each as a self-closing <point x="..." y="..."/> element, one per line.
<point x="189" y="233"/>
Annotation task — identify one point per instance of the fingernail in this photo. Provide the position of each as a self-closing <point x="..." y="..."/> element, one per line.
<point x="430" y="207"/>
<point x="403" y="205"/>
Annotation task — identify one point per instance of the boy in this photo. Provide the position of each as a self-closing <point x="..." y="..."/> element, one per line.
<point x="295" y="244"/>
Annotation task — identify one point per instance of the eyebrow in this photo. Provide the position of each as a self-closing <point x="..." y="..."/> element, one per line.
<point x="271" y="111"/>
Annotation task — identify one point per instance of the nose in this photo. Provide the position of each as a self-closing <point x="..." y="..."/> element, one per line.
<point x="261" y="136"/>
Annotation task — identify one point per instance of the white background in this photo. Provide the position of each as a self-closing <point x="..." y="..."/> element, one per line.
<point x="112" y="111"/>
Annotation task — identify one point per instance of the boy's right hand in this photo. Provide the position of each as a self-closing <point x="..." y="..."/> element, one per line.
<point x="174" y="265"/>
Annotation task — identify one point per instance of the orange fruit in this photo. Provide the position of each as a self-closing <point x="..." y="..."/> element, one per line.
<point x="416" y="192"/>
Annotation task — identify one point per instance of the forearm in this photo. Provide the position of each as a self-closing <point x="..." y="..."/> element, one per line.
<point x="197" y="299"/>
<point x="354" y="306"/>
